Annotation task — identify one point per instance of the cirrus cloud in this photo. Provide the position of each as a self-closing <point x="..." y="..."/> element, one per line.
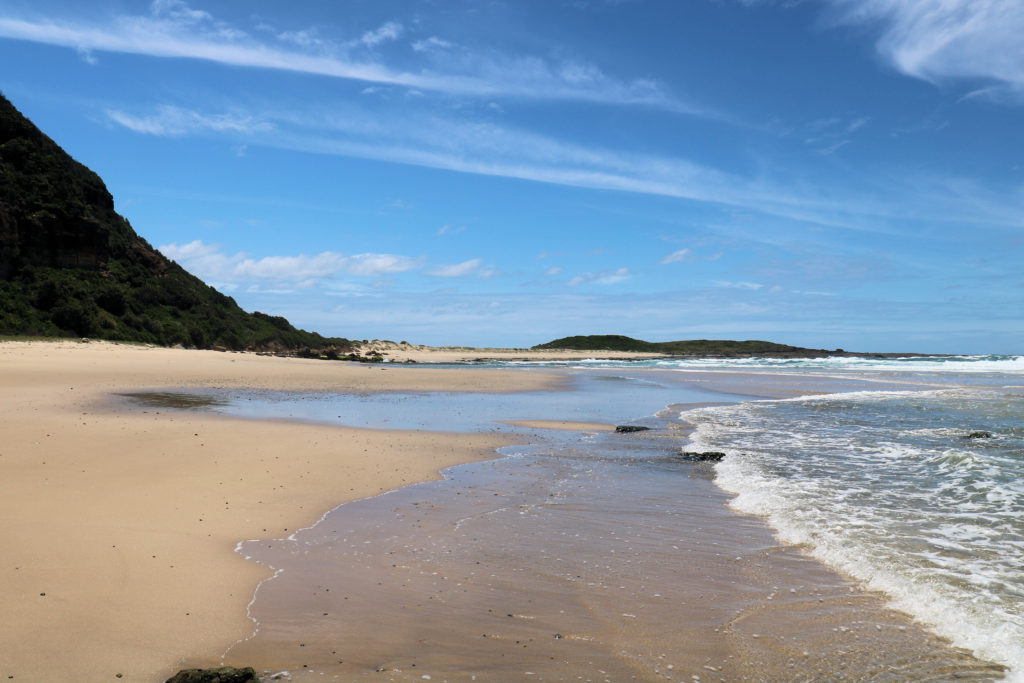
<point x="938" y="40"/>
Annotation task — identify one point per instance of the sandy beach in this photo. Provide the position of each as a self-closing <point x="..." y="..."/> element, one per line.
<point x="119" y="527"/>
<point x="121" y="523"/>
<point x="405" y="353"/>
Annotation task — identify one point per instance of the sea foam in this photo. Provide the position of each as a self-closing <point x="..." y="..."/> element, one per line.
<point x="867" y="485"/>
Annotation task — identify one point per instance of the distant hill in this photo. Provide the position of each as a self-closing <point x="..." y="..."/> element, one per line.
<point x="71" y="266"/>
<point x="694" y="347"/>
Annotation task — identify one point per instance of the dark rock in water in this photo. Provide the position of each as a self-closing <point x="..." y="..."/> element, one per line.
<point x="978" y="435"/>
<point x="225" y="674"/>
<point x="624" y="429"/>
<point x="703" y="456"/>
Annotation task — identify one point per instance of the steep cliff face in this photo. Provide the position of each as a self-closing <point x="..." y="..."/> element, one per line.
<point x="53" y="211"/>
<point x="71" y="266"/>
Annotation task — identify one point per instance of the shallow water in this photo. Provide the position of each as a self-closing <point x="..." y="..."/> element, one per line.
<point x="588" y="557"/>
<point x="582" y="556"/>
<point x="597" y="396"/>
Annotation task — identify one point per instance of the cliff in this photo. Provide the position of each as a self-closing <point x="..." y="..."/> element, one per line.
<point x="70" y="265"/>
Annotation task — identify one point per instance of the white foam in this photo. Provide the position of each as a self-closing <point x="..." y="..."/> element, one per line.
<point x="816" y="469"/>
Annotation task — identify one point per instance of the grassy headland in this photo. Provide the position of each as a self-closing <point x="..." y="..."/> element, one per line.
<point x="693" y="347"/>
<point x="71" y="266"/>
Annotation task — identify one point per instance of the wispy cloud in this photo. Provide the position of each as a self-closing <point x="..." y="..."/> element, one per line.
<point x="677" y="257"/>
<point x="386" y="33"/>
<point x="175" y="122"/>
<point x="173" y="30"/>
<point x="431" y="43"/>
<point x="210" y="263"/>
<point x="373" y="265"/>
<point x="937" y="40"/>
<point x="604" y="277"/>
<point x="739" y="285"/>
<point x="485" y="148"/>
<point x="828" y="135"/>
<point x="472" y="267"/>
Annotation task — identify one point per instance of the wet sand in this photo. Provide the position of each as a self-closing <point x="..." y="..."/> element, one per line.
<point x="480" y="583"/>
<point x="585" y="556"/>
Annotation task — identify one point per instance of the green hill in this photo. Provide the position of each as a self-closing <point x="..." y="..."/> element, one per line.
<point x="71" y="266"/>
<point x="694" y="347"/>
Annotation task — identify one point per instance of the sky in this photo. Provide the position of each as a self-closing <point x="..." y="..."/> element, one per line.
<point x="823" y="173"/>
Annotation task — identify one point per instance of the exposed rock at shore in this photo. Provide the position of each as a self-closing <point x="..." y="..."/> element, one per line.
<point x="703" y="456"/>
<point x="225" y="674"/>
<point x="625" y="429"/>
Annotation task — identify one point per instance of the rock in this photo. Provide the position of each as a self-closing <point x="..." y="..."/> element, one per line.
<point x="625" y="429"/>
<point x="225" y="674"/>
<point x="703" y="456"/>
<point x="978" y="435"/>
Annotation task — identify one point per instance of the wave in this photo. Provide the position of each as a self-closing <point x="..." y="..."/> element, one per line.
<point x="867" y="484"/>
<point x="1001" y="364"/>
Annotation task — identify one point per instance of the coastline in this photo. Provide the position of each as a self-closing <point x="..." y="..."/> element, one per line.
<point x="413" y="353"/>
<point x="585" y="555"/>
<point x="128" y="520"/>
<point x="120" y="525"/>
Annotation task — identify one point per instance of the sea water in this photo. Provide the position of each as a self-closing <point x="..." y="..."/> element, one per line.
<point x="919" y="494"/>
<point x="906" y="477"/>
<point x="916" y="493"/>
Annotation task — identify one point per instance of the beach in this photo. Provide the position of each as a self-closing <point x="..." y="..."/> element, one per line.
<point x="119" y="527"/>
<point x="141" y="535"/>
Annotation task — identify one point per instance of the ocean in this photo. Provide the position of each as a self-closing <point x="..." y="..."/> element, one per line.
<point x="918" y="494"/>
<point x="866" y="523"/>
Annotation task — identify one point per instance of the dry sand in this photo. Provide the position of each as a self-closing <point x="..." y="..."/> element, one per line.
<point x="119" y="526"/>
<point x="405" y="353"/>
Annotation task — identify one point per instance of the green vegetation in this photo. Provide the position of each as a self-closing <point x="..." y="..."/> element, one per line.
<point x="70" y="266"/>
<point x="694" y="347"/>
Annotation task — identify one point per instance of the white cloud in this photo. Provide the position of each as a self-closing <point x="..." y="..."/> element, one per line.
<point x="829" y="135"/>
<point x="604" y="277"/>
<point x="739" y="285"/>
<point x="87" y="56"/>
<point x="431" y="43"/>
<point x="173" y="30"/>
<point x="299" y="267"/>
<point x="449" y="229"/>
<point x="466" y="146"/>
<point x="947" y="39"/>
<point x="209" y="263"/>
<point x="381" y="264"/>
<point x="178" y="11"/>
<point x="173" y="121"/>
<point x="307" y="38"/>
<point x="471" y="267"/>
<point x="387" y="32"/>
<point x="677" y="257"/>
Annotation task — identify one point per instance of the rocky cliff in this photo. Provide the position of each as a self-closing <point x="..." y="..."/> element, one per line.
<point x="72" y="266"/>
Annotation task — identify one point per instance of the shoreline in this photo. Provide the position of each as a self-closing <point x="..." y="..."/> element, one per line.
<point x="417" y="353"/>
<point x="450" y="580"/>
<point x="137" y="507"/>
<point x="121" y="524"/>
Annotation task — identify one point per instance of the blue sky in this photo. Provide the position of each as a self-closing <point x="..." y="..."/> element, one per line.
<point x="826" y="173"/>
